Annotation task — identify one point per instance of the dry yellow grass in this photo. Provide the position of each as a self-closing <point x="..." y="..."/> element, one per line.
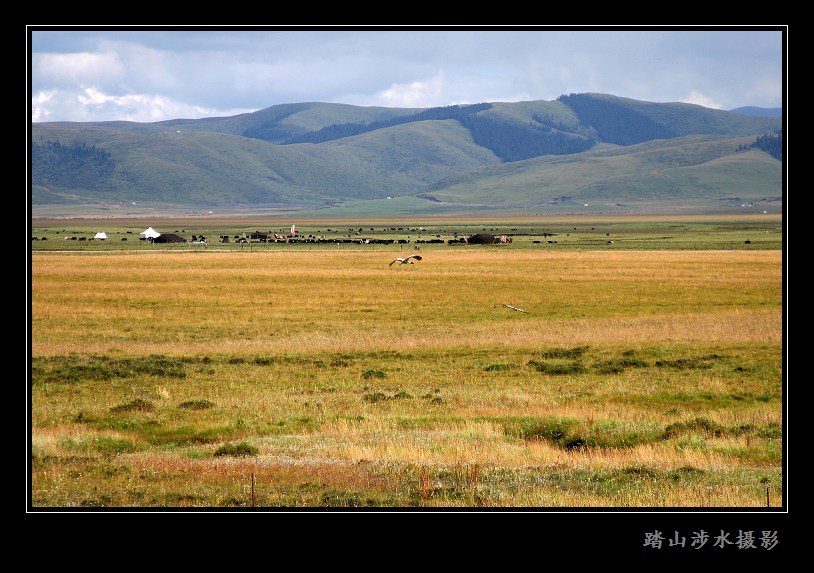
<point x="255" y="302"/>
<point x="432" y="330"/>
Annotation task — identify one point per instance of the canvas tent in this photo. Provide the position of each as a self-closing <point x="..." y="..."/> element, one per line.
<point x="100" y="235"/>
<point x="150" y="233"/>
<point x="169" y="238"/>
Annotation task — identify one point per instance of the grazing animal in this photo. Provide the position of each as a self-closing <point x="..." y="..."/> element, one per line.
<point x="406" y="260"/>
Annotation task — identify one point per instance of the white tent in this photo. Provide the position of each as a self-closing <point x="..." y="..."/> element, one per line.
<point x="100" y="235"/>
<point x="150" y="233"/>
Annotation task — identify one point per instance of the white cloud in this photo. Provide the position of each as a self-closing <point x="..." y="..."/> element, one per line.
<point x="156" y="75"/>
<point x="700" y="99"/>
<point x="82" y="67"/>
<point x="39" y="105"/>
<point x="422" y="93"/>
<point x="92" y="104"/>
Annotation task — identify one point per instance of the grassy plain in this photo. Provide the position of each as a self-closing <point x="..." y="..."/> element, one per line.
<point x="750" y="231"/>
<point x="287" y="376"/>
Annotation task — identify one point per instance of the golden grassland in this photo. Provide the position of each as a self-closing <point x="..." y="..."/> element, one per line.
<point x="331" y="379"/>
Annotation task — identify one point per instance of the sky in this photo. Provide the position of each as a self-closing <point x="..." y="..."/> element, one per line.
<point x="155" y="74"/>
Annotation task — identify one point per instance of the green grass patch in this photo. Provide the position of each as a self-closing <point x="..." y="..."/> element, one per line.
<point x="694" y="363"/>
<point x="239" y="450"/>
<point x="558" y="369"/>
<point x="382" y="397"/>
<point x="618" y="365"/>
<point x="373" y="374"/>
<point x="101" y="444"/>
<point x="572" y="353"/>
<point x="196" y="405"/>
<point x="137" y="405"/>
<point x="75" y="369"/>
<point x="551" y="430"/>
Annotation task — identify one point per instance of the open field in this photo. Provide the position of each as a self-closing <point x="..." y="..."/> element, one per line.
<point x="630" y="233"/>
<point x="285" y="376"/>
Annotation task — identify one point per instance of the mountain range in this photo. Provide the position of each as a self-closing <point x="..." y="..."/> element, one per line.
<point x="579" y="153"/>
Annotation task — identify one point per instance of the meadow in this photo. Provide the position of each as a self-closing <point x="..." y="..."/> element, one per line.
<point x="528" y="375"/>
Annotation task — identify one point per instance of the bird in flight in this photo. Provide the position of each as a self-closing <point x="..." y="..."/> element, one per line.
<point x="406" y="260"/>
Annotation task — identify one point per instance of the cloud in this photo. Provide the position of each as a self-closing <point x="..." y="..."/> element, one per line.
<point x="141" y="75"/>
<point x="91" y="104"/>
<point x="700" y="99"/>
<point x="421" y="93"/>
<point x="136" y="107"/>
<point x="66" y="69"/>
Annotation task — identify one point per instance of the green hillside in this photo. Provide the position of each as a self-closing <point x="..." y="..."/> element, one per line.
<point x="691" y="170"/>
<point x="674" y="118"/>
<point x="206" y="168"/>
<point x="580" y="148"/>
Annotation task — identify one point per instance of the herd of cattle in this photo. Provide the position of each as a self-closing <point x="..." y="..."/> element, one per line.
<point x="260" y="237"/>
<point x="478" y="239"/>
